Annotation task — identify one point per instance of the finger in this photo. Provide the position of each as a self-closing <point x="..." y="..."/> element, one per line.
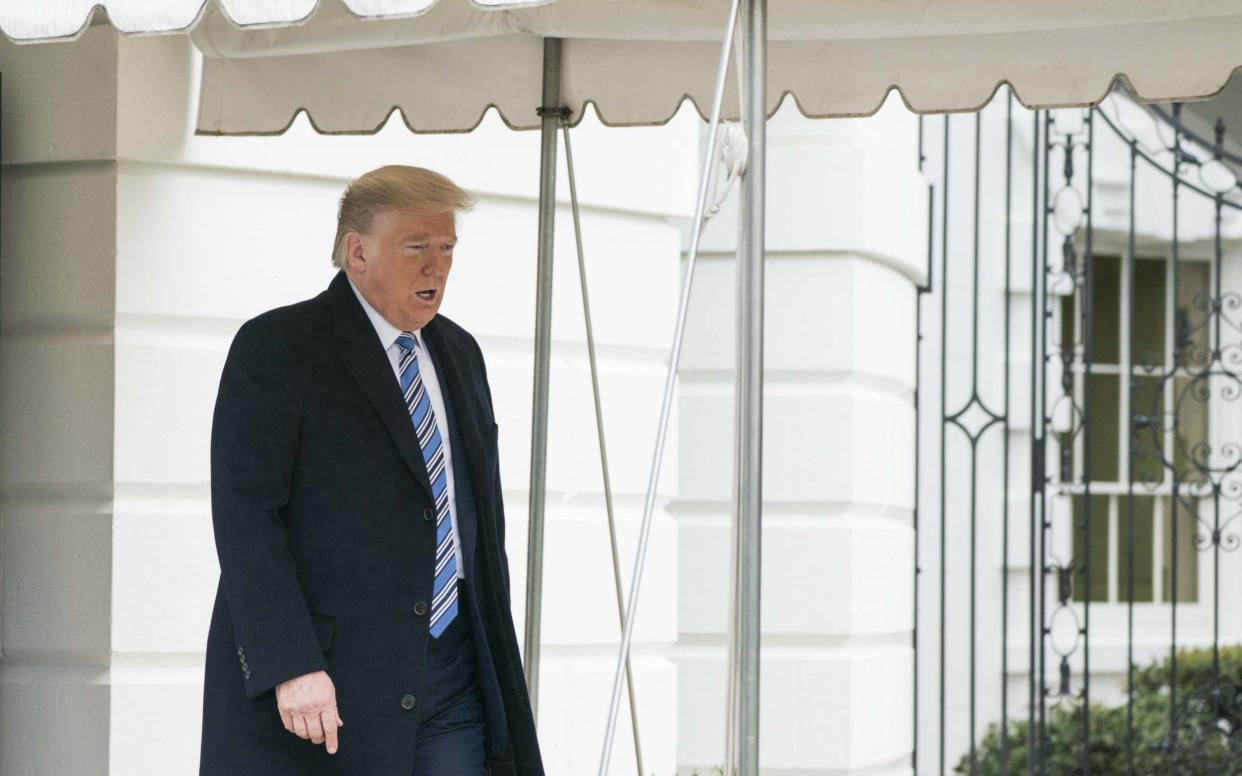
<point x="330" y="722"/>
<point x="314" y="728"/>
<point x="286" y="719"/>
<point x="299" y="726"/>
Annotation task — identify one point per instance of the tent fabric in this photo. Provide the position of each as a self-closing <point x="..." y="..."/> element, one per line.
<point x="350" y="63"/>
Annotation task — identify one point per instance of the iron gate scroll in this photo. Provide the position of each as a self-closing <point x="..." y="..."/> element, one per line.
<point x="1078" y="597"/>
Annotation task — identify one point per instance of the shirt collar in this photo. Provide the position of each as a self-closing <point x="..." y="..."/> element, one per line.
<point x="387" y="332"/>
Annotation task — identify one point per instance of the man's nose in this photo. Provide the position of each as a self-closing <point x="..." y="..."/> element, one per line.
<point x="439" y="262"/>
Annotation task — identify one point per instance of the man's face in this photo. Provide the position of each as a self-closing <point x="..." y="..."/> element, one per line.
<point x="402" y="266"/>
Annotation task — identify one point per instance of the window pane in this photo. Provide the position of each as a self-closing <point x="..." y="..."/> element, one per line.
<point x="1148" y="315"/>
<point x="1190" y="335"/>
<point x="1187" y="555"/>
<point x="1102" y="408"/>
<point x="1145" y="442"/>
<point x="1098" y="569"/>
<point x="1190" y="403"/>
<point x="1139" y="517"/>
<point x="1106" y="310"/>
<point x="1067" y="322"/>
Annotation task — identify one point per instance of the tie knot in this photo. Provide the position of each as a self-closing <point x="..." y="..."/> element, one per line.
<point x="405" y="340"/>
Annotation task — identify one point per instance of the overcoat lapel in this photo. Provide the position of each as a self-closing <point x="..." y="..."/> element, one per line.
<point x="457" y="378"/>
<point x="369" y="366"/>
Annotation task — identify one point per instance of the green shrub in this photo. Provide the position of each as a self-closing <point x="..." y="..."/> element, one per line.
<point x="1209" y="729"/>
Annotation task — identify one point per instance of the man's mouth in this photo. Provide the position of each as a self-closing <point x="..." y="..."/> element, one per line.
<point x="426" y="295"/>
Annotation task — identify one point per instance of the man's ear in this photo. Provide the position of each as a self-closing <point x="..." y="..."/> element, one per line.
<point x="353" y="252"/>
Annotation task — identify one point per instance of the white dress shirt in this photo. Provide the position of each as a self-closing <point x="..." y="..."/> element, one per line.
<point x="427" y="370"/>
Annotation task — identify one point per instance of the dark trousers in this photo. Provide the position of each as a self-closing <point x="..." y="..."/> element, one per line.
<point x="452" y="743"/>
<point x="450" y="738"/>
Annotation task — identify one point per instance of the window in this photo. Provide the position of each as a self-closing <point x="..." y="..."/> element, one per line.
<point x="1149" y="426"/>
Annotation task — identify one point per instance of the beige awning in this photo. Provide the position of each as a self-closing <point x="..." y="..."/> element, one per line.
<point x="350" y="63"/>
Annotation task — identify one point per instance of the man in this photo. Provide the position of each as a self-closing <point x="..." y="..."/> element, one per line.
<point x="362" y="623"/>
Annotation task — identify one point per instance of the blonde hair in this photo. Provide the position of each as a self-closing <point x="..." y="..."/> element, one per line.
<point x="393" y="185"/>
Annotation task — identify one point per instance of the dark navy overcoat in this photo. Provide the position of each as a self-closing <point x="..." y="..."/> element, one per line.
<point x="325" y="532"/>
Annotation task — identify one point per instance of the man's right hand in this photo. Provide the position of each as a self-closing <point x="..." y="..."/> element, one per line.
<point x="307" y="706"/>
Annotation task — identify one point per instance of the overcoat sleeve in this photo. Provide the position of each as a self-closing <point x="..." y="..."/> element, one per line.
<point x="254" y="441"/>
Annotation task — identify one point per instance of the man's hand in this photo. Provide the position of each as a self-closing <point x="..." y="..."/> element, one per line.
<point x="307" y="706"/>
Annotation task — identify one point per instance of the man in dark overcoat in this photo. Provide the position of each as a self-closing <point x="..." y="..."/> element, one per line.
<point x="362" y="622"/>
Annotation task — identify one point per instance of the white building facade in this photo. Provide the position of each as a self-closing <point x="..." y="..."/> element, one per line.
<point x="133" y="249"/>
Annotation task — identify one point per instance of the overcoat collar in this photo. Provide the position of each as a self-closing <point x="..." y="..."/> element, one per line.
<point x="364" y="357"/>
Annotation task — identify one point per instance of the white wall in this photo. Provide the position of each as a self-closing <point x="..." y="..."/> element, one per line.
<point x="843" y="260"/>
<point x="132" y="252"/>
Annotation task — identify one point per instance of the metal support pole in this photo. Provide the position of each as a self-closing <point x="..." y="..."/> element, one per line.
<point x="749" y="437"/>
<point x="670" y="381"/>
<point x="551" y="113"/>
<point x="603" y="446"/>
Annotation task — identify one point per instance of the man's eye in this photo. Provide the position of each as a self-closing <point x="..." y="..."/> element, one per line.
<point x="419" y="246"/>
<point x="447" y="246"/>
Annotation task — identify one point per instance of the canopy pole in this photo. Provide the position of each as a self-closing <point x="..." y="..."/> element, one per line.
<point x="749" y="401"/>
<point x="551" y="113"/>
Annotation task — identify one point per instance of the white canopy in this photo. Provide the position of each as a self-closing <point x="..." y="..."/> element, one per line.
<point x="349" y="63"/>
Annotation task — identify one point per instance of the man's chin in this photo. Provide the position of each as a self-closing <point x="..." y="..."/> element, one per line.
<point x="420" y="318"/>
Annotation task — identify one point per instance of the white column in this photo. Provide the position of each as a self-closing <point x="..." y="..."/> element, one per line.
<point x="846" y="245"/>
<point x="1224" y="427"/>
<point x="56" y="405"/>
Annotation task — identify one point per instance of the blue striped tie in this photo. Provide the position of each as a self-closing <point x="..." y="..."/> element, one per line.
<point x="444" y="591"/>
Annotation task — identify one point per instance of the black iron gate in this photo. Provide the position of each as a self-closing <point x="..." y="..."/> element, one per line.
<point x="1079" y="452"/>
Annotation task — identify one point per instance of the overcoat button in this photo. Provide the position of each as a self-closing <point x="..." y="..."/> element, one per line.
<point x="429" y="514"/>
<point x="247" y="674"/>
<point x="420" y="608"/>
<point x="239" y="651"/>
<point x="407" y="701"/>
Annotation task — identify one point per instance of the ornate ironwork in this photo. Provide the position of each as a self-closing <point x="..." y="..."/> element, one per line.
<point x="1163" y="398"/>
